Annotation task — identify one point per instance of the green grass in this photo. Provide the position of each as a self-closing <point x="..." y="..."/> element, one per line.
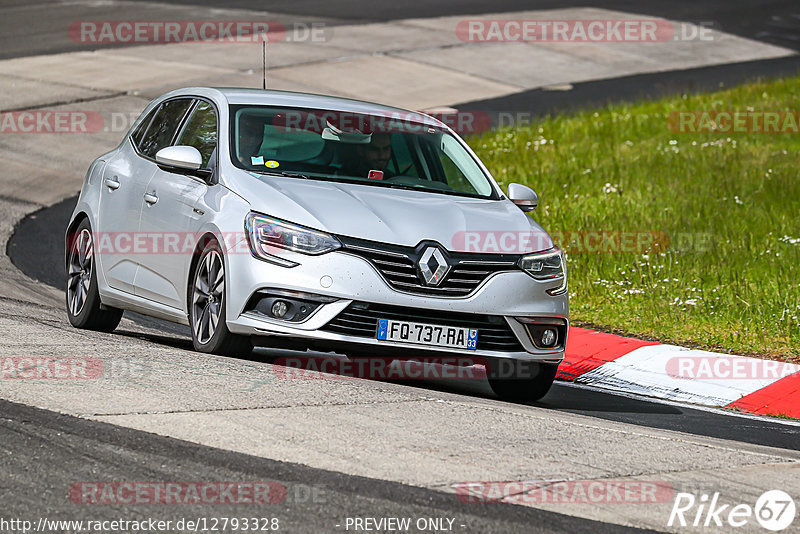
<point x="781" y="416"/>
<point x="728" y="203"/>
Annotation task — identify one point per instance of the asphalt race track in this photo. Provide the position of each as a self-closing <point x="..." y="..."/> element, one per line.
<point x="340" y="448"/>
<point x="36" y="252"/>
<point x="50" y="450"/>
<point x="766" y="21"/>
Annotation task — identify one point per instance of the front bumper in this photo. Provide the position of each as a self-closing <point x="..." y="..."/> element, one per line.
<point x="512" y="296"/>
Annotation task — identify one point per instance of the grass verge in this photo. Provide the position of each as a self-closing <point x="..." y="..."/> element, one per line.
<point x="721" y="268"/>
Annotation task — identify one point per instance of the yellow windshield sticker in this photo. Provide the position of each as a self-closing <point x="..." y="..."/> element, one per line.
<point x="271" y="164"/>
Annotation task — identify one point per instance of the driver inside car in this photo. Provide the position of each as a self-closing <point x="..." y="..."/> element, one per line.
<point x="251" y="136"/>
<point x="372" y="156"/>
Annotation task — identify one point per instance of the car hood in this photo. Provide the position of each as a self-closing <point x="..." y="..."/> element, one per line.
<point x="398" y="216"/>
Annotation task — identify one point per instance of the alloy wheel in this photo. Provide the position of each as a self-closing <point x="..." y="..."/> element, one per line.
<point x="209" y="290"/>
<point x="81" y="260"/>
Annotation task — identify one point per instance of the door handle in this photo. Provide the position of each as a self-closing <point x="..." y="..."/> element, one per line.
<point x="111" y="183"/>
<point x="150" y="198"/>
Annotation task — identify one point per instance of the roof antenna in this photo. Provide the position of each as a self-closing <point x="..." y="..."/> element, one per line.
<point x="264" y="59"/>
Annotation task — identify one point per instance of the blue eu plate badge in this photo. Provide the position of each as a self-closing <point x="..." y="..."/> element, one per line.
<point x="383" y="327"/>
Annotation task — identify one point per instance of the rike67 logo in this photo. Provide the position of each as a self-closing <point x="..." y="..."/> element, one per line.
<point x="774" y="510"/>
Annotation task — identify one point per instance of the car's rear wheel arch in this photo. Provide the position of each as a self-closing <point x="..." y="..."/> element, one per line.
<point x="71" y="231"/>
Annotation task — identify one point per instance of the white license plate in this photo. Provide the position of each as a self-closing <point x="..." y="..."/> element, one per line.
<point x="427" y="334"/>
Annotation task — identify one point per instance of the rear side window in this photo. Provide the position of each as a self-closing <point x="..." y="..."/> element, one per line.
<point x="138" y="134"/>
<point x="162" y="128"/>
<point x="201" y="131"/>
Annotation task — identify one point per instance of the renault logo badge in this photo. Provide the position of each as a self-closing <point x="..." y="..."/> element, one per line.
<point x="433" y="266"/>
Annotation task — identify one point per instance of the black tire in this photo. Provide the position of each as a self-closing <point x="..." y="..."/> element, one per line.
<point x="526" y="388"/>
<point x="84" y="308"/>
<point x="209" y="336"/>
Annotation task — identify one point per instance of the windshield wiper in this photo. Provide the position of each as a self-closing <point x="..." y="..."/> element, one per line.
<point x="406" y="187"/>
<point x="288" y="174"/>
<point x="359" y="181"/>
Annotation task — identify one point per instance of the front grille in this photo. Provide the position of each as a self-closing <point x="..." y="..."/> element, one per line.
<point x="361" y="319"/>
<point x="399" y="266"/>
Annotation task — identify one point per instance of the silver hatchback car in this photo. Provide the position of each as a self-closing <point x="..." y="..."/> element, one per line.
<point x="301" y="221"/>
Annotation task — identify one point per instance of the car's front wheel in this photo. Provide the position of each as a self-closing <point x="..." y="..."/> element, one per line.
<point x="525" y="388"/>
<point x="207" y="307"/>
<point x="84" y="308"/>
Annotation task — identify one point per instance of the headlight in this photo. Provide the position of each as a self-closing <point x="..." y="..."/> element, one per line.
<point x="265" y="234"/>
<point x="548" y="265"/>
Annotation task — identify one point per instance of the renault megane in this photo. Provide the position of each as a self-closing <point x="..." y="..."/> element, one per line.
<point x="293" y="220"/>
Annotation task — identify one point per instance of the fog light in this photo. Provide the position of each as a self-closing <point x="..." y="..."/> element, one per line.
<point x="549" y="337"/>
<point x="279" y="308"/>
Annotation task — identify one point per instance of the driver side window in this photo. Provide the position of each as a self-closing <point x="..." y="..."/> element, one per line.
<point x="162" y="127"/>
<point x="201" y="131"/>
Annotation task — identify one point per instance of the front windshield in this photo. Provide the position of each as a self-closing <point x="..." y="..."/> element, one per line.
<point x="379" y="150"/>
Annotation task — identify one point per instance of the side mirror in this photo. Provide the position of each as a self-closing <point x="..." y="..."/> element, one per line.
<point x="523" y="196"/>
<point x="180" y="157"/>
